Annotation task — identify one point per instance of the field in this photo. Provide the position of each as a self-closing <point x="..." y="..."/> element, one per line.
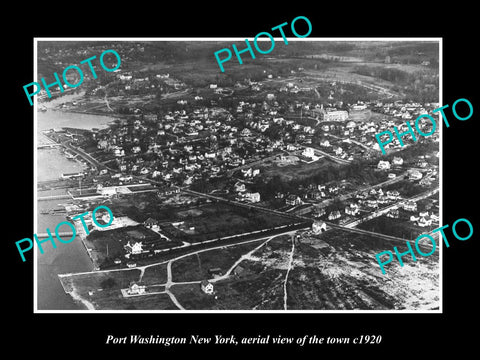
<point x="216" y="220"/>
<point x="195" y="267"/>
<point x="294" y="170"/>
<point x="342" y="273"/>
<point x="395" y="227"/>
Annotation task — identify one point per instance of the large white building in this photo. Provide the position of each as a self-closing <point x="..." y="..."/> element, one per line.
<point x="335" y="115"/>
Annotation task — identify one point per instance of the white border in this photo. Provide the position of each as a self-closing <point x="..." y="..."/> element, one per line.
<point x="229" y="39"/>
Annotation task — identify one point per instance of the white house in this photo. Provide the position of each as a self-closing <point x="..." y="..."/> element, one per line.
<point x="207" y="287"/>
<point x="293" y="200"/>
<point x="334" y="215"/>
<point x="325" y="143"/>
<point x="308" y="152"/>
<point x="353" y="209"/>
<point x="397" y="160"/>
<point x="253" y="197"/>
<point x="424" y="222"/>
<point x="383" y="165"/>
<point x="318" y="227"/>
<point x="415" y="175"/>
<point x="136" y="289"/>
<point x="410" y="206"/>
<point x="135" y="248"/>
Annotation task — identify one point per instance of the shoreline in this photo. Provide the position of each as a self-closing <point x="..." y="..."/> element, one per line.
<point x="70" y="289"/>
<point x="76" y="297"/>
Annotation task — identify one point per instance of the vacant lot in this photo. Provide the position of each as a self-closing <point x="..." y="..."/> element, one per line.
<point x="296" y="171"/>
<point x="195" y="267"/>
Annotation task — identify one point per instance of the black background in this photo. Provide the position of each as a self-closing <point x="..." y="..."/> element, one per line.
<point x="65" y="335"/>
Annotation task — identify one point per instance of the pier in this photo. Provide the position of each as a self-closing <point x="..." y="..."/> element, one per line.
<point x="54" y="197"/>
<point x="61" y="234"/>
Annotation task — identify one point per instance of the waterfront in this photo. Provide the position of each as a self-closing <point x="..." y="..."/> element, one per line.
<point x="70" y="257"/>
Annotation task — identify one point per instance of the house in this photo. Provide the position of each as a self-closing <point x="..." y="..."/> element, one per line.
<point x="414" y="175"/>
<point x="334" y="215"/>
<point x="325" y="143"/>
<point x="351" y="125"/>
<point x="308" y="152"/>
<point x="394" y="214"/>
<point x="239" y="186"/>
<point x="293" y="200"/>
<point x="134" y="248"/>
<point x="383" y="165"/>
<point x="207" y="287"/>
<point x="410" y="206"/>
<point x="424" y="222"/>
<point x="135" y="289"/>
<point x="353" y="209"/>
<point x="318" y="227"/>
<point x="319" y="212"/>
<point x="253" y="197"/>
<point x="397" y="160"/>
<point x="151" y="223"/>
<point x="393" y="195"/>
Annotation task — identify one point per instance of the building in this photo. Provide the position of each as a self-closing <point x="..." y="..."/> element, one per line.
<point x="318" y="227"/>
<point x="410" y="206"/>
<point x="414" y="175"/>
<point x="308" y="152"/>
<point x="151" y="223"/>
<point x="319" y="212"/>
<point x="352" y="209"/>
<point x="397" y="160"/>
<point x="239" y="186"/>
<point x="383" y="165"/>
<point x="207" y="287"/>
<point x="72" y="175"/>
<point x="136" y="289"/>
<point x="253" y="197"/>
<point x="424" y="222"/>
<point x="335" y="115"/>
<point x="325" y="143"/>
<point x="334" y="215"/>
<point x="134" y="248"/>
<point x="293" y="200"/>
<point x="394" y="214"/>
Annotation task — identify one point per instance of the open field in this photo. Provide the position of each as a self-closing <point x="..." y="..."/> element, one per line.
<point x="156" y="274"/>
<point x="341" y="273"/>
<point x="195" y="267"/>
<point x="294" y="170"/>
<point x="395" y="227"/>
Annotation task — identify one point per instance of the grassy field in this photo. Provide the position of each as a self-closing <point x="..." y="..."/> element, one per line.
<point x="195" y="267"/>
<point x="155" y="275"/>
<point x="294" y="171"/>
<point x="395" y="227"/>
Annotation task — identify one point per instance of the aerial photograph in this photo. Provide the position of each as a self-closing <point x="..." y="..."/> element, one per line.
<point x="259" y="188"/>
